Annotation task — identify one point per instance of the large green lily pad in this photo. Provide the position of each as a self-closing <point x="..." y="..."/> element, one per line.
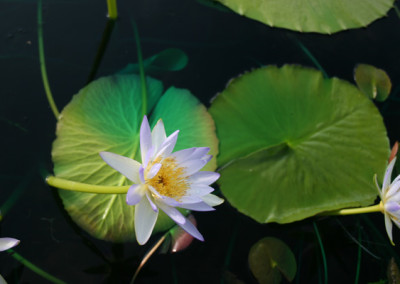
<point x="327" y="16"/>
<point x="293" y="144"/>
<point x="106" y="116"/>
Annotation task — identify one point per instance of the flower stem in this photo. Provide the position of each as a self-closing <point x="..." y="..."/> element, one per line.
<point x="46" y="84"/>
<point x="112" y="9"/>
<point x="141" y="70"/>
<point x="352" y="211"/>
<point x="84" y="187"/>
<point x="322" y="252"/>
<point x="34" y="268"/>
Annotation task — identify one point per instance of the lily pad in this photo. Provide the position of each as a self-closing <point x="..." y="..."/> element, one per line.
<point x="373" y="82"/>
<point x="269" y="258"/>
<point x="293" y="144"/>
<point x="328" y="16"/>
<point x="106" y="116"/>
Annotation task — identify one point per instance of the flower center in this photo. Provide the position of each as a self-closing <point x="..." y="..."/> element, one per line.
<point x="170" y="180"/>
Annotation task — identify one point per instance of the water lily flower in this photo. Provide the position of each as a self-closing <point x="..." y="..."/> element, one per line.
<point x="165" y="180"/>
<point x="7" y="243"/>
<point x="390" y="199"/>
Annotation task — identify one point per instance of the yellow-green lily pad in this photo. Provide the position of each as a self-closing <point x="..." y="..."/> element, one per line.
<point x="106" y="116"/>
<point x="373" y="82"/>
<point x="293" y="144"/>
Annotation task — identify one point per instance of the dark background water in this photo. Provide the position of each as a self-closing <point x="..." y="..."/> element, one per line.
<point x="220" y="45"/>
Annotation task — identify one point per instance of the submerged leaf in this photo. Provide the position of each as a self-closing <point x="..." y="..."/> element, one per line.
<point x="106" y="116"/>
<point x="318" y="16"/>
<point x="269" y="258"/>
<point x="171" y="59"/>
<point x="293" y="144"/>
<point x="373" y="82"/>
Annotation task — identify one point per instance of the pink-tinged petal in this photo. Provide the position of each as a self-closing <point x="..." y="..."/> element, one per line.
<point x="151" y="201"/>
<point x="201" y="206"/>
<point x="7" y="243"/>
<point x="206" y="178"/>
<point x="193" y="166"/>
<point x="135" y="194"/>
<point x="199" y="190"/>
<point x="168" y="146"/>
<point x="387" y="178"/>
<point x="158" y="135"/>
<point x="212" y="200"/>
<point x="145" y="137"/>
<point x="191" y="229"/>
<point x="153" y="171"/>
<point x="389" y="227"/>
<point x="172" y="212"/>
<point x="124" y="165"/>
<point x="145" y="219"/>
<point x="180" y="238"/>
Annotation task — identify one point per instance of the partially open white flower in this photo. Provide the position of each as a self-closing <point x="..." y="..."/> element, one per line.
<point x="7" y="243"/>
<point x="165" y="180"/>
<point x="390" y="199"/>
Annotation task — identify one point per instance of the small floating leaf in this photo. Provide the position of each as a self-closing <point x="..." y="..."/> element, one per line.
<point x="269" y="258"/>
<point x="293" y="144"/>
<point x="106" y="116"/>
<point x="171" y="59"/>
<point x="373" y="82"/>
<point x="328" y="16"/>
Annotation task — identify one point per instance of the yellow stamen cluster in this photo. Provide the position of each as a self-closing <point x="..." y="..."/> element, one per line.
<point x="170" y="180"/>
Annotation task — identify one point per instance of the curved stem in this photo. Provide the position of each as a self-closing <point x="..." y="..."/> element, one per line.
<point x="34" y="268"/>
<point x="84" y="187"/>
<point x="352" y="211"/>
<point x="322" y="252"/>
<point x="46" y="84"/>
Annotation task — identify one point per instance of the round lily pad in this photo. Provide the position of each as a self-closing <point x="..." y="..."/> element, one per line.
<point x="373" y="82"/>
<point x="293" y="144"/>
<point x="326" y="17"/>
<point x="106" y="116"/>
<point x="269" y="258"/>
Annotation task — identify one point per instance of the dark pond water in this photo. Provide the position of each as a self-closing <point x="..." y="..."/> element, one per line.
<point x="220" y="45"/>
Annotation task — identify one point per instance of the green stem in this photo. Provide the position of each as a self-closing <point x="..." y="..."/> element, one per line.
<point x="84" y="187"/>
<point x="358" y="255"/>
<point x="34" y="268"/>
<point x="141" y="70"/>
<point x="322" y="253"/>
<point x="112" y="9"/>
<point x="352" y="211"/>
<point x="46" y="84"/>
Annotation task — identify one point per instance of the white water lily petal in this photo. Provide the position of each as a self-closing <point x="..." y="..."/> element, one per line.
<point x="199" y="190"/>
<point x="193" y="166"/>
<point x="148" y="157"/>
<point x="141" y="174"/>
<point x="212" y="200"/>
<point x="124" y="165"/>
<point x="183" y="155"/>
<point x="151" y="201"/>
<point x="190" y="199"/>
<point x="145" y="138"/>
<point x="2" y="280"/>
<point x="393" y="188"/>
<point x="388" y="175"/>
<point x="199" y="153"/>
<point x="153" y="171"/>
<point x="173" y="213"/>
<point x="7" y="243"/>
<point x="204" y="177"/>
<point x="158" y="135"/>
<point x="168" y="145"/>
<point x="388" y="226"/>
<point x="145" y="219"/>
<point x="191" y="229"/>
<point x="135" y="194"/>
<point x="201" y="206"/>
